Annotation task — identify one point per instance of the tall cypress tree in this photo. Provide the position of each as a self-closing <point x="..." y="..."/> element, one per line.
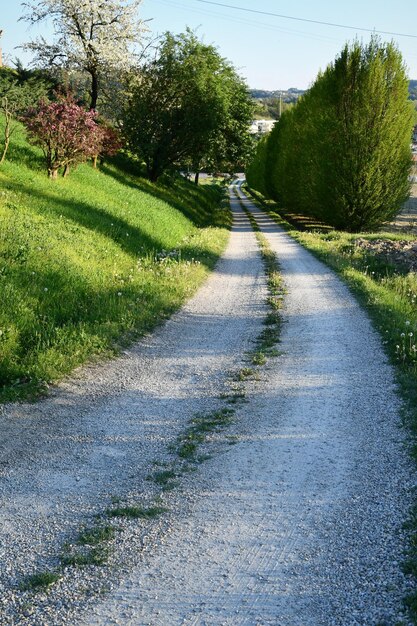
<point x="343" y="152"/>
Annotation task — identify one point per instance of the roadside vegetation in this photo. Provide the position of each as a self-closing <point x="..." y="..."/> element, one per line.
<point x="92" y="262"/>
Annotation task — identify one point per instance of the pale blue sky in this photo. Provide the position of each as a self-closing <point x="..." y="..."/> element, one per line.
<point x="271" y="53"/>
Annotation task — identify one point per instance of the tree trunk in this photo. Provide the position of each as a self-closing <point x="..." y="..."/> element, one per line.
<point x="7" y="129"/>
<point x="94" y="90"/>
<point x="5" y="148"/>
<point x="53" y="173"/>
<point x="66" y="170"/>
<point x="154" y="171"/>
<point x="196" y="178"/>
<point x="95" y="157"/>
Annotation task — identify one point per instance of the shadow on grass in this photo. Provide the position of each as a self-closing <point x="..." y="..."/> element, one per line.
<point x="192" y="201"/>
<point x="98" y="220"/>
<point x="23" y="154"/>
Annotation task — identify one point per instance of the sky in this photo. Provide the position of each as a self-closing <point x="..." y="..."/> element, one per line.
<point x="269" y="52"/>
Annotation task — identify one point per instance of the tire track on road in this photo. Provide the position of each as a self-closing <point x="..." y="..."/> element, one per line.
<point x="300" y="523"/>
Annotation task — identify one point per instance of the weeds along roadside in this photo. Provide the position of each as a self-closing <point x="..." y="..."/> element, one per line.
<point x="389" y="295"/>
<point x="194" y="445"/>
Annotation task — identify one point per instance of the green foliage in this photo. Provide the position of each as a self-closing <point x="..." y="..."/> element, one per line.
<point x="96" y="556"/>
<point x="188" y="108"/>
<point x="135" y="512"/>
<point x="96" y="535"/>
<point x="342" y="154"/>
<point x="19" y="89"/>
<point x="92" y="262"/>
<point x="256" y="171"/>
<point x="40" y="581"/>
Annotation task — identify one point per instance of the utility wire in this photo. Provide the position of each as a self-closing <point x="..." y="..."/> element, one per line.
<point x="248" y="21"/>
<point x="302" y="19"/>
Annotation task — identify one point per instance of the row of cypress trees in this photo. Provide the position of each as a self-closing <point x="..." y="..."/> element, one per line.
<point x="342" y="153"/>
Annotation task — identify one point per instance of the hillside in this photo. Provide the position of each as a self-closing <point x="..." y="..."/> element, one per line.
<point x="90" y="262"/>
<point x="292" y="94"/>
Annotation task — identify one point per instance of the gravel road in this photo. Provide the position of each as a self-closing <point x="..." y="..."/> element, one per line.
<point x="297" y="524"/>
<point x="63" y="459"/>
<point x="300" y="523"/>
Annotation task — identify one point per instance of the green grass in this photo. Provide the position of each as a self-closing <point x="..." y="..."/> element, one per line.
<point x="96" y="556"/>
<point x="96" y="535"/>
<point x="39" y="581"/>
<point x="136" y="512"/>
<point x="190" y="440"/>
<point x="269" y="337"/>
<point x="164" y="478"/>
<point x="92" y="262"/>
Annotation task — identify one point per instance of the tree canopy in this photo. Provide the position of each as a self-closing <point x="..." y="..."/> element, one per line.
<point x="342" y="153"/>
<point x="92" y="36"/>
<point x="188" y="107"/>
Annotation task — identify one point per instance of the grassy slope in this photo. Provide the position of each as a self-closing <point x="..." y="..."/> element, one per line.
<point x="84" y="265"/>
<point x="390" y="297"/>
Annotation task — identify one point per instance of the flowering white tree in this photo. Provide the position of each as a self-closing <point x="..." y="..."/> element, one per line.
<point x="93" y="36"/>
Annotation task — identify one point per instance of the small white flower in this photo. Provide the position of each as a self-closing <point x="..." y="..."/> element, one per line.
<point x="45" y="288"/>
<point x="407" y="323"/>
<point x="410" y="334"/>
<point x="402" y="334"/>
<point x="119" y="293"/>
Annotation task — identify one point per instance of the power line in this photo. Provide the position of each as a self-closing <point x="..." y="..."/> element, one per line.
<point x="241" y="20"/>
<point x="303" y="19"/>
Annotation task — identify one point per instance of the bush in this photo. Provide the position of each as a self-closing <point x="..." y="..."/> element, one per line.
<point x="68" y="134"/>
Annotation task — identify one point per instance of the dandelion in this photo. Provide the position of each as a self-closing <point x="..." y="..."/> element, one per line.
<point x="402" y="334"/>
<point x="119" y="293"/>
<point x="45" y="288"/>
<point x="407" y="323"/>
<point x="410" y="334"/>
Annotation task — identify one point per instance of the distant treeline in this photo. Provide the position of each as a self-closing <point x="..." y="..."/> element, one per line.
<point x="292" y="94"/>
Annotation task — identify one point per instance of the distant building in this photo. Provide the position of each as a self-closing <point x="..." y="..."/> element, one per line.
<point x="261" y="127"/>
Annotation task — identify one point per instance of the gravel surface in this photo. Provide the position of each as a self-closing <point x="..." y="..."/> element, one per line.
<point x="300" y="522"/>
<point x="297" y="524"/>
<point x="65" y="458"/>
